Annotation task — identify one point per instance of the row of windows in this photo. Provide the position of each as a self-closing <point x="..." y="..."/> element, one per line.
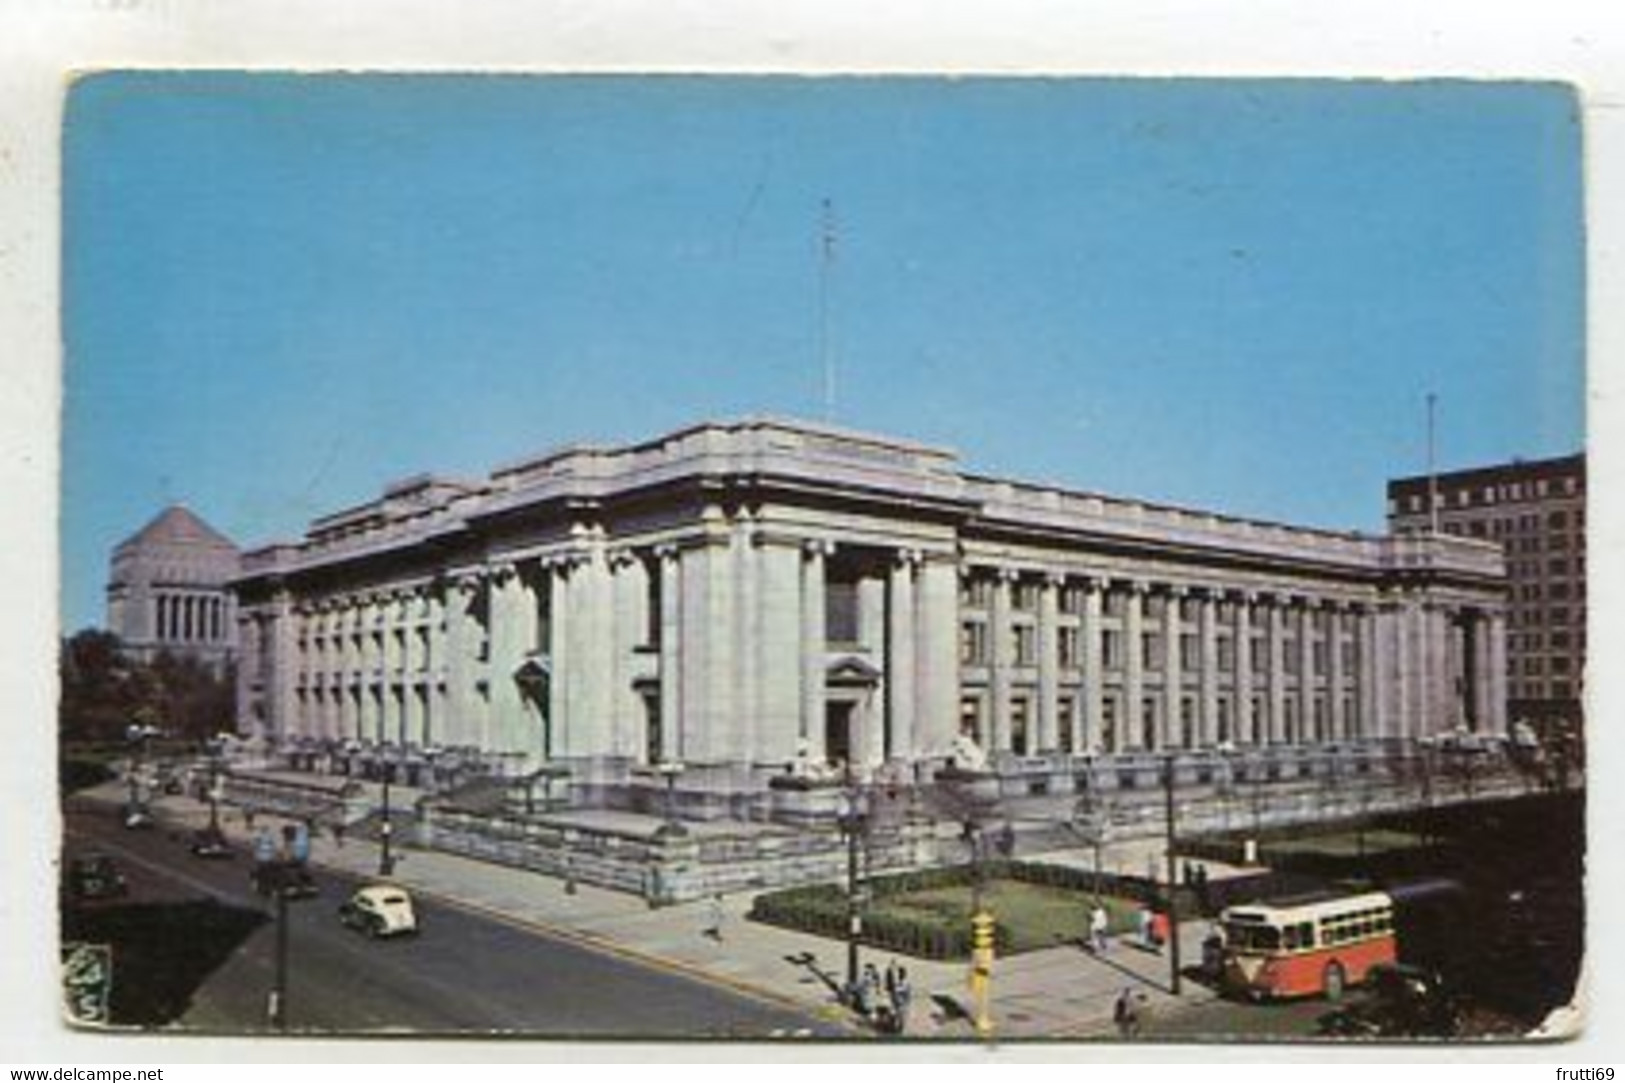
<point x="1536" y="489"/>
<point x="974" y="650"/>
<point x="1360" y="925"/>
<point x="976" y="593"/>
<point x="1115" y="735"/>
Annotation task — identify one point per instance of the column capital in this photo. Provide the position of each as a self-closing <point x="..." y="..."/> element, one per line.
<point x="1054" y="579"/>
<point x="1006" y="574"/>
<point x="908" y="558"/>
<point x="666" y="551"/>
<point x="500" y="572"/>
<point x="622" y="556"/>
<point x="818" y="547"/>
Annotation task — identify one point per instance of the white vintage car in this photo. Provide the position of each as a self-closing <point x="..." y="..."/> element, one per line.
<point x="380" y="910"/>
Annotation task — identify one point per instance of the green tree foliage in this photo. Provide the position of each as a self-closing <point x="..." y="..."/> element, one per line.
<point x="104" y="691"/>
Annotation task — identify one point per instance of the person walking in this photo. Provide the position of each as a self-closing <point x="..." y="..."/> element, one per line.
<point x="715" y="916"/>
<point x="902" y="995"/>
<point x="1098" y="923"/>
<point x="1126" y="1014"/>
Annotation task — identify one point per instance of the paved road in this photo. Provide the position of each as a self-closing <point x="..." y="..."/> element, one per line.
<point x="466" y="972"/>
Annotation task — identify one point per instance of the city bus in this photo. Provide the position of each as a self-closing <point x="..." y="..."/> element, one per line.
<point x="1315" y="945"/>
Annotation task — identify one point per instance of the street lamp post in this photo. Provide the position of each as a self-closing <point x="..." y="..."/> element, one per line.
<point x="852" y="819"/>
<point x="1173" y="884"/>
<point x="386" y="859"/>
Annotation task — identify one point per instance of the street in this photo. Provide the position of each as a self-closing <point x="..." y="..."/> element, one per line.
<point x="202" y="943"/>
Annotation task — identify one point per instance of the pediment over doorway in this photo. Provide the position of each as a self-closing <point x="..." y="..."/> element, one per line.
<point x="851" y="669"/>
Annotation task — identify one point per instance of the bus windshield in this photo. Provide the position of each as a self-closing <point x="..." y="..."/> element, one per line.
<point x="1252" y="937"/>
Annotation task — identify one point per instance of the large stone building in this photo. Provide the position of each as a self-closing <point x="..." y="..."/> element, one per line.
<point x="765" y="600"/>
<point x="167" y="590"/>
<point x="1535" y="511"/>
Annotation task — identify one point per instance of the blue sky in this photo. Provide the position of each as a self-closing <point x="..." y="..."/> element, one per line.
<point x="282" y="292"/>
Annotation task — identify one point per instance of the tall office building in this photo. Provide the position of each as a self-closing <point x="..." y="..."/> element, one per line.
<point x="1536" y="512"/>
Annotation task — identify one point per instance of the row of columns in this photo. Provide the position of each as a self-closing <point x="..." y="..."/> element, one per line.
<point x="1445" y="678"/>
<point x="713" y="648"/>
<point x="189" y="618"/>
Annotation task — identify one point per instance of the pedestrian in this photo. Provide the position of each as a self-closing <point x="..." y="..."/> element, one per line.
<point x="715" y="916"/>
<point x="1097" y="928"/>
<point x="1126" y="1014"/>
<point x="1160" y="930"/>
<point x="902" y="995"/>
<point x="1148" y="932"/>
<point x="869" y="991"/>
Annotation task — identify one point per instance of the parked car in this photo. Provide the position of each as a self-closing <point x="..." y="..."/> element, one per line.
<point x="137" y="818"/>
<point x="294" y="880"/>
<point x="211" y="844"/>
<point x="380" y="910"/>
<point x="95" y="876"/>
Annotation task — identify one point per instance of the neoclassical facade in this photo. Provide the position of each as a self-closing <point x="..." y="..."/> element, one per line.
<point x="763" y="599"/>
<point x="167" y="590"/>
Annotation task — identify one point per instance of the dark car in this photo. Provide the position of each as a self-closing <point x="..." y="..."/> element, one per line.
<point x="1401" y="1001"/>
<point x="95" y="876"/>
<point x="291" y="879"/>
<point x="211" y="844"/>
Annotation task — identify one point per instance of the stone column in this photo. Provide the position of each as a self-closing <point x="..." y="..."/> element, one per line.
<point x="1089" y="628"/>
<point x="814" y="649"/>
<point x="1173" y="679"/>
<point x="937" y="676"/>
<point x="671" y="660"/>
<point x="1334" y="668"/>
<point x="589" y="724"/>
<point x="1306" y="670"/>
<point x="282" y="631"/>
<point x="1275" y="723"/>
<point x="1001" y="636"/>
<point x="1368" y="707"/>
<point x="1132" y="721"/>
<point x="901" y="662"/>
<point x="869" y="741"/>
<point x="708" y="641"/>
<point x="1482" y="668"/>
<point x="1207" y="632"/>
<point x="629" y="591"/>
<point x="778" y="650"/>
<point x="564" y="687"/>
<point x="1242" y="716"/>
<point x="742" y="574"/>
<point x="1496" y="707"/>
<point x="436" y="693"/>
<point x="507" y="651"/>
<point x="463" y="724"/>
<point x="1049" y="683"/>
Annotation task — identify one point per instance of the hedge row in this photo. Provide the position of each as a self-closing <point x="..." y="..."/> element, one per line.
<point x="822" y="909"/>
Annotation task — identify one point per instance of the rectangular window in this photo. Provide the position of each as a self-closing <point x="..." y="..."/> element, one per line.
<point x="1260" y="655"/>
<point x="975" y="592"/>
<point x="1151" y="650"/>
<point x="1116" y="603"/>
<point x="1190" y="651"/>
<point x="973" y="643"/>
<point x="1025" y="638"/>
<point x="1068" y="647"/>
<point x="1108" y="723"/>
<point x="1024" y="597"/>
<point x="1018" y="726"/>
<point x="841" y="611"/>
<point x="1318" y="659"/>
<point x="1071" y="600"/>
<point x="970" y="718"/>
<point x="1111" y="648"/>
<point x="1226" y="653"/>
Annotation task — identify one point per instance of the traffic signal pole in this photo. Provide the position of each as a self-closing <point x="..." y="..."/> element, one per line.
<point x="279" y="990"/>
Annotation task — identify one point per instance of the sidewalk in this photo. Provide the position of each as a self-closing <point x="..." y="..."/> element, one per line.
<point x="1058" y="992"/>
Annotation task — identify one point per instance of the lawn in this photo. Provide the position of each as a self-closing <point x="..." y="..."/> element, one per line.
<point x="1036" y="915"/>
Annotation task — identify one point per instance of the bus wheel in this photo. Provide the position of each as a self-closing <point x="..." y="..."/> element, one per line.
<point x="1334" y="982"/>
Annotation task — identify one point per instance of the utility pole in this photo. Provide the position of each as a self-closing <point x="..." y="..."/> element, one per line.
<point x="1173" y="884"/>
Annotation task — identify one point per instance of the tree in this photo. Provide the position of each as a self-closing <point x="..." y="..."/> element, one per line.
<point x="103" y="690"/>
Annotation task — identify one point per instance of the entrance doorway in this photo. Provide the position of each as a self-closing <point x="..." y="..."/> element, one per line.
<point x="838" y="732"/>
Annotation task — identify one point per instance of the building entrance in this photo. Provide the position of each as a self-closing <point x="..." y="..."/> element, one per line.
<point x="838" y="733"/>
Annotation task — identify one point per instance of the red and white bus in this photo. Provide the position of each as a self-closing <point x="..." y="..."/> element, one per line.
<point x="1309" y="946"/>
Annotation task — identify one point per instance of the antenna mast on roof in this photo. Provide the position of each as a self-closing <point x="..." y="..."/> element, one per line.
<point x="1433" y="473"/>
<point x="825" y="264"/>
